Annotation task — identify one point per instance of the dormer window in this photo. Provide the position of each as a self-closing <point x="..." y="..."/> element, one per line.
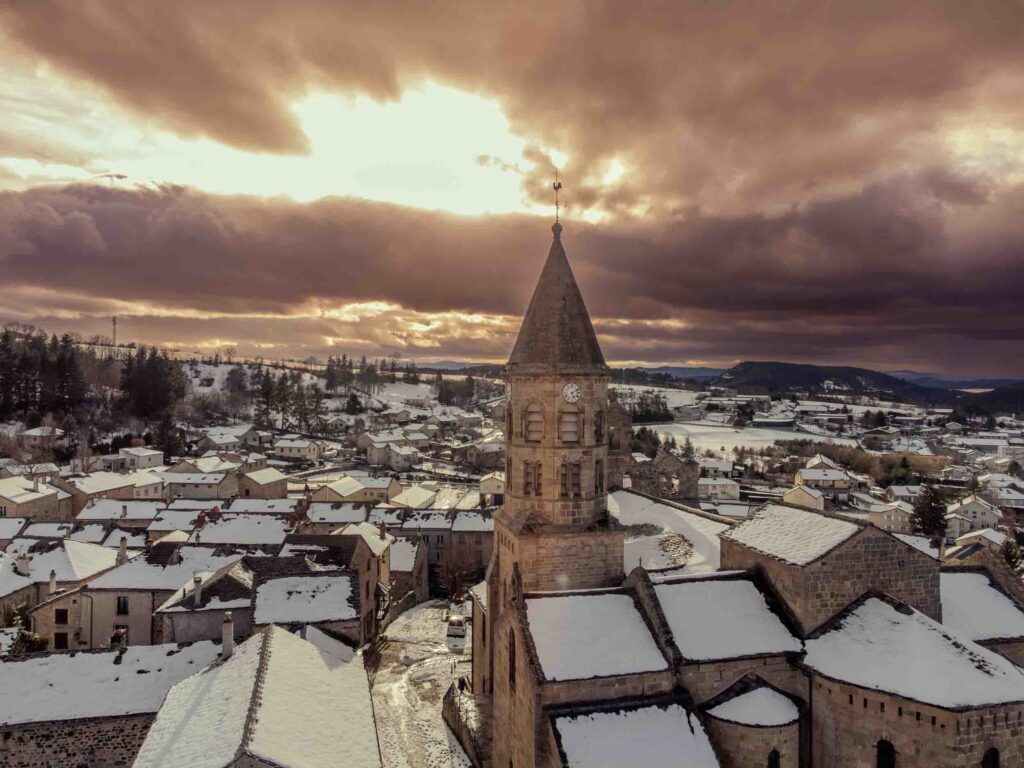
<point x="569" y="427"/>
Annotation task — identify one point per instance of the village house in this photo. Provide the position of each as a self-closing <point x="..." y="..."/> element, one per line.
<point x="805" y="496"/>
<point x="895" y="516"/>
<point x="358" y="490"/>
<point x="400" y="458"/>
<point x="409" y="570"/>
<point x="41" y="437"/>
<point x="835" y="484"/>
<point x="718" y="489"/>
<point x="195" y="611"/>
<point x="472" y="540"/>
<point x="183" y="485"/>
<point x="324" y="517"/>
<point x="266" y="483"/>
<point x="32" y="498"/>
<point x="97" y="485"/>
<point x="297" y="448"/>
<point x="980" y="513"/>
<point x="247" y="532"/>
<point x="93" y="709"/>
<point x="117" y="607"/>
<point x="141" y="458"/>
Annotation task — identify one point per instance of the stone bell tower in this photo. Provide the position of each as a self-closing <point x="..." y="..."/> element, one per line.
<point x="554" y="525"/>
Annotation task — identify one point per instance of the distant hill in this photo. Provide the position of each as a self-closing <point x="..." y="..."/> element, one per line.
<point x="935" y="381"/>
<point x="697" y="374"/>
<point x="1008" y="399"/>
<point x="825" y="379"/>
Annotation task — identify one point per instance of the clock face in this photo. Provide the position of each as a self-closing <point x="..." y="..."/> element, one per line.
<point x="571" y="392"/>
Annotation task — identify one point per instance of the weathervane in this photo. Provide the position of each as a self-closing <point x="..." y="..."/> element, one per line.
<point x="556" y="186"/>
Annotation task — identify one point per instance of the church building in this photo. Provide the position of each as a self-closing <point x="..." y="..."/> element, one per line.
<point x="818" y="642"/>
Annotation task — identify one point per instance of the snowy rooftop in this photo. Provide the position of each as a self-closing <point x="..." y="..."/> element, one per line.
<point x="416" y="497"/>
<point x="47" y="530"/>
<point x="10" y="526"/>
<point x="139" y="573"/>
<point x="245" y="530"/>
<point x="794" y="535"/>
<point x="113" y="509"/>
<point x="174" y="520"/>
<point x="266" y="476"/>
<point x="591" y="635"/>
<point x="469" y="521"/>
<point x="68" y="686"/>
<point x="432" y="520"/>
<point x="973" y="606"/>
<point x="734" y="619"/>
<point x="278" y="699"/>
<point x="307" y="599"/>
<point x="264" y="506"/>
<point x="685" y="540"/>
<point x="761" y="706"/>
<point x="71" y="560"/>
<point x="326" y="512"/>
<point x="921" y="543"/>
<point x="881" y="647"/>
<point x="195" y="504"/>
<point x="403" y="555"/>
<point x="652" y="737"/>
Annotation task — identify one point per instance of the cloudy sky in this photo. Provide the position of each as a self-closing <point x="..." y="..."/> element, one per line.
<point x="819" y="182"/>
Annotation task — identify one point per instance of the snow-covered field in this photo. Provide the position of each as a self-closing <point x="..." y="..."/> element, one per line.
<point x="724" y="439"/>
<point x="417" y="665"/>
<point x="674" y="398"/>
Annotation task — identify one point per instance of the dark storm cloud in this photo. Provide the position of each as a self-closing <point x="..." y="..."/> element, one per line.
<point x="912" y="269"/>
<point x="713" y="105"/>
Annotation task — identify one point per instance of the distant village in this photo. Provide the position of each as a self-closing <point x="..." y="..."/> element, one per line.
<point x="316" y="538"/>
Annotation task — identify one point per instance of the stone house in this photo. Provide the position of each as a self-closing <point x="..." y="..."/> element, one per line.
<point x="196" y="611"/>
<point x="472" y="540"/>
<point x="979" y="512"/>
<point x="718" y="489"/>
<point x="666" y="476"/>
<point x="141" y="458"/>
<point x="805" y="496"/>
<point x="894" y="517"/>
<point x="836" y="484"/>
<point x="299" y="448"/>
<point x="409" y="572"/>
<point x="90" y="709"/>
<point x="359" y="490"/>
<point x="327" y="599"/>
<point x="266" y="483"/>
<point x="185" y="485"/>
<point x="22" y="496"/>
<point x="323" y="517"/>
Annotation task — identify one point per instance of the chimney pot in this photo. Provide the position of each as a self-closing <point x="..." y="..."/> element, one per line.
<point x="122" y="551"/>
<point x="53" y="581"/>
<point x="227" y="644"/>
<point x="23" y="564"/>
<point x="197" y="591"/>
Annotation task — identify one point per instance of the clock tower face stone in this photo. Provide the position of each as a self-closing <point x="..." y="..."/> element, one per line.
<point x="571" y="392"/>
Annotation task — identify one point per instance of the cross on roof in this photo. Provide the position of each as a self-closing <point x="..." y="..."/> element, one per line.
<point x="556" y="186"/>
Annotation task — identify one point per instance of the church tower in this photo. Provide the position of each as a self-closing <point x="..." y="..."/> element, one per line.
<point x="554" y="530"/>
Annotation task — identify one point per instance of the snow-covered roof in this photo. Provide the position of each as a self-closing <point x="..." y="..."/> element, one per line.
<point x="100" y="482"/>
<point x="660" y="736"/>
<point x="140" y="452"/>
<point x="174" y="520"/>
<point x="115" y="509"/>
<point x="229" y="528"/>
<point x="796" y="536"/>
<point x="71" y="560"/>
<point x="972" y="605"/>
<point x="996" y="537"/>
<point x="370" y="534"/>
<point x="762" y="707"/>
<point x="901" y="651"/>
<point x="818" y="474"/>
<point x="266" y="476"/>
<point x="20" y="490"/>
<point x="195" y="504"/>
<point x="415" y="497"/>
<point x="427" y="520"/>
<point x="47" y="530"/>
<point x="263" y="506"/>
<point x="921" y="543"/>
<point x="134" y="539"/>
<point x="11" y="526"/>
<point x="715" y="619"/>
<point x="70" y="686"/>
<point x="580" y="636"/>
<point x="336" y="513"/>
<point x="307" y="599"/>
<point x="192" y="478"/>
<point x="277" y="699"/>
<point x="403" y="555"/>
<point x="470" y="521"/>
<point x="93" y="533"/>
<point x="140" y="573"/>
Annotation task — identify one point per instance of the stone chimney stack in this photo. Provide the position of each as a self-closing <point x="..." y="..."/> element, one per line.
<point x="124" y="511"/>
<point x="122" y="551"/>
<point x="35" y="483"/>
<point x="197" y="591"/>
<point x="383" y="531"/>
<point x="23" y="564"/>
<point x="53" y="582"/>
<point x="227" y="644"/>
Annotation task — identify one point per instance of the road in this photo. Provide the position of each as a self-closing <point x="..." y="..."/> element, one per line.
<point x="417" y="664"/>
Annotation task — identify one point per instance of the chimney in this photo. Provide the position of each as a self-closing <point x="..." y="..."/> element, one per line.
<point x="122" y="551"/>
<point x="22" y="564"/>
<point x="227" y="640"/>
<point x="124" y="511"/>
<point x="383" y="531"/>
<point x="35" y="483"/>
<point x="197" y="591"/>
<point x="53" y="582"/>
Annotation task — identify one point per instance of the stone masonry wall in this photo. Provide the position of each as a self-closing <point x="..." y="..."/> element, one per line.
<point x="516" y="712"/>
<point x="601" y="689"/>
<point x="109" y="742"/>
<point x="871" y="560"/>
<point x="704" y="681"/>
<point x="1012" y="649"/>
<point x="746" y="746"/>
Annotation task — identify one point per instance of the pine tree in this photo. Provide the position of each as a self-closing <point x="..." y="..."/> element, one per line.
<point x="1011" y="553"/>
<point x="929" y="516"/>
<point x="168" y="437"/>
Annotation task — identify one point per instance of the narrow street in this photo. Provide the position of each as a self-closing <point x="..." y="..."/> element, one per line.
<point x="417" y="664"/>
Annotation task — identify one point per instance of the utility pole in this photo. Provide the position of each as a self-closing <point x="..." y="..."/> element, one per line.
<point x="115" y="330"/>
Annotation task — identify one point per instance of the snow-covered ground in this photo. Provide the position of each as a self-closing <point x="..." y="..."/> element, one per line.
<point x="674" y="398"/>
<point x="724" y="439"/>
<point x="417" y="665"/>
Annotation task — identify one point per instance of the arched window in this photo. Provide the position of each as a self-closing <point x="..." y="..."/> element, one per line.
<point x="991" y="758"/>
<point x="569" y="427"/>
<point x="511" y="659"/>
<point x="570" y="481"/>
<point x="599" y="426"/>
<point x="773" y="759"/>
<point x="886" y="754"/>
<point x="533" y="423"/>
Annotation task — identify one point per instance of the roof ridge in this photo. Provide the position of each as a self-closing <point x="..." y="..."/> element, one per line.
<point x="251" y="717"/>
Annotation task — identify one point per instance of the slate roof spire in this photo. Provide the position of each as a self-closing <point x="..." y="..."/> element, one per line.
<point x="557" y="335"/>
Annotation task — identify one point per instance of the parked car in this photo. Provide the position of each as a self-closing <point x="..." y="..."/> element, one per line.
<point x="456" y="626"/>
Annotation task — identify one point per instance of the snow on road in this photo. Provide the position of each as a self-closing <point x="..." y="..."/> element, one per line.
<point x="417" y="664"/>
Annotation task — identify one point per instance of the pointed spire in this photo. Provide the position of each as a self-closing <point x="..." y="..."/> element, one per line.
<point x="557" y="335"/>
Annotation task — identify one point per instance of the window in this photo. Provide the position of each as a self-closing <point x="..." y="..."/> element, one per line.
<point x="599" y="426"/>
<point x="531" y="478"/>
<point x="886" y="757"/>
<point x="991" y="758"/>
<point x="599" y="476"/>
<point x="569" y="427"/>
<point x="512" y="660"/>
<point x="773" y="759"/>
<point x="122" y="606"/>
<point x="60" y="641"/>
<point x="570" y="481"/>
<point x="533" y="423"/>
<point x="508" y="422"/>
<point x="60" y="616"/>
<point x="3" y="510"/>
